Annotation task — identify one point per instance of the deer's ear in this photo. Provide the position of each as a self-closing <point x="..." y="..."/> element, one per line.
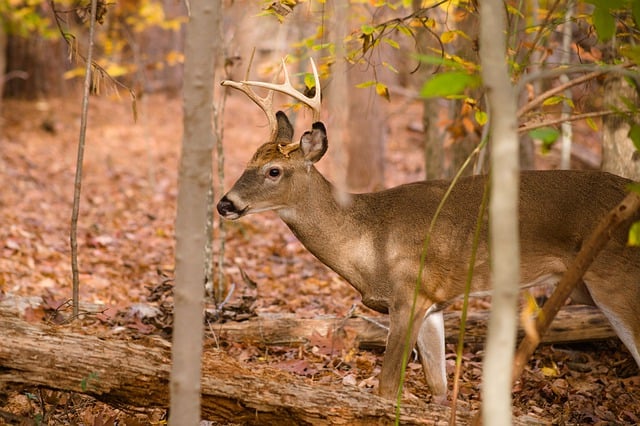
<point x="313" y="143"/>
<point x="285" y="130"/>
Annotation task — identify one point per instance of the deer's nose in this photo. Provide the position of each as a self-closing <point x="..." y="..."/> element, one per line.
<point x="226" y="207"/>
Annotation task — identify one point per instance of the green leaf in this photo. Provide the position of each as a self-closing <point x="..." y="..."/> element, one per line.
<point x="449" y="84"/>
<point x="631" y="52"/>
<point x="634" y="135"/>
<point x="553" y="100"/>
<point x="391" y="43"/>
<point x="634" y="235"/>
<point x="438" y="60"/>
<point x="514" y="11"/>
<point x="86" y="381"/>
<point x="309" y="80"/>
<point x="548" y="135"/>
<point x="366" y="84"/>
<point x="367" y="29"/>
<point x="634" y="186"/>
<point x="604" y="23"/>
<point x="481" y="117"/>
<point x="405" y="31"/>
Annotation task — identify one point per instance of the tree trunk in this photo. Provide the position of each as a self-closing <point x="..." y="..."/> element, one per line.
<point x="339" y="99"/>
<point x="367" y="135"/>
<point x="433" y="139"/>
<point x="124" y="374"/>
<point x="193" y="184"/>
<point x="356" y="117"/>
<point x="619" y="156"/>
<point x="503" y="216"/>
<point x="42" y="63"/>
<point x="464" y="138"/>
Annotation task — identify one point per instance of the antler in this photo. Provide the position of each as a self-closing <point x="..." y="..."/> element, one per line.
<point x="266" y="102"/>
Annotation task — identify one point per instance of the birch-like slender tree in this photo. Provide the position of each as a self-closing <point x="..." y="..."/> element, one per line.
<point x="503" y="216"/>
<point x="77" y="187"/>
<point x="338" y="100"/>
<point x="193" y="184"/>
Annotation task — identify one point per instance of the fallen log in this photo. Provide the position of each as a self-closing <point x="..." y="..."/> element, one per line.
<point x="124" y="374"/>
<point x="130" y="374"/>
<point x="574" y="323"/>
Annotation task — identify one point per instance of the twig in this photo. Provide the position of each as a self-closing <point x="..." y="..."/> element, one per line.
<point x="598" y="71"/>
<point x="574" y="117"/>
<point x="538" y="100"/>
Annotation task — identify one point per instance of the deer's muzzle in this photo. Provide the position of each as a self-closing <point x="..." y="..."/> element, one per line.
<point x="228" y="209"/>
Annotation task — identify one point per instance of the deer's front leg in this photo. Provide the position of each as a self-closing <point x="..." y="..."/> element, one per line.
<point x="431" y="349"/>
<point x="397" y="343"/>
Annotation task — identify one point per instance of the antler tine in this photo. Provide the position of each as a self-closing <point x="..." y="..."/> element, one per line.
<point x="288" y="89"/>
<point x="265" y="103"/>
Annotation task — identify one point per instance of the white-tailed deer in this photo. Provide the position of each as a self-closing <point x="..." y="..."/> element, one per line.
<point x="375" y="241"/>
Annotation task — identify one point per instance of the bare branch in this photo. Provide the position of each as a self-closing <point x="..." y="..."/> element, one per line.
<point x="574" y="117"/>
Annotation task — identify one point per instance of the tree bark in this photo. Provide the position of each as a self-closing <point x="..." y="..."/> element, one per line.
<point x="366" y="130"/>
<point x="619" y="156"/>
<point x="125" y="374"/>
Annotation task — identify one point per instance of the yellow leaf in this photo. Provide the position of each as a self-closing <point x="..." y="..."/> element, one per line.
<point x="382" y="90"/>
<point x="391" y="43"/>
<point x="528" y="317"/>
<point x="73" y="73"/>
<point x="174" y="57"/>
<point x="448" y="36"/>
<point x="550" y="371"/>
<point x="481" y="117"/>
<point x="115" y="70"/>
<point x="592" y="124"/>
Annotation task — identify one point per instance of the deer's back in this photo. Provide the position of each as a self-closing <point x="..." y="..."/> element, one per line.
<point x="557" y="212"/>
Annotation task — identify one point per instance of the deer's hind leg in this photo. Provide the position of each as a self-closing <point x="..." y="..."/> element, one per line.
<point x="430" y="345"/>
<point x="619" y="301"/>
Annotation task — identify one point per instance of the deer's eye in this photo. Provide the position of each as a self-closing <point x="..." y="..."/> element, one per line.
<point x="274" y="172"/>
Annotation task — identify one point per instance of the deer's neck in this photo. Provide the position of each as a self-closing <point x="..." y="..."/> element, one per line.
<point x="332" y="232"/>
<point x="315" y="216"/>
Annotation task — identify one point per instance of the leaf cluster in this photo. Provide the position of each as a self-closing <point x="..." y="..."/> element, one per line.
<point x="25" y="18"/>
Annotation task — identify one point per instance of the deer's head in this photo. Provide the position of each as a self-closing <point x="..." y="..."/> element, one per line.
<point x="280" y="166"/>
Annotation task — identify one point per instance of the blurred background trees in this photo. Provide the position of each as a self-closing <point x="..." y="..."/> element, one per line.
<point x="139" y="43"/>
<point x="392" y="50"/>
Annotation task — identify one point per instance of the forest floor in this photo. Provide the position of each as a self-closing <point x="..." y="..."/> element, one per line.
<point x="126" y="243"/>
